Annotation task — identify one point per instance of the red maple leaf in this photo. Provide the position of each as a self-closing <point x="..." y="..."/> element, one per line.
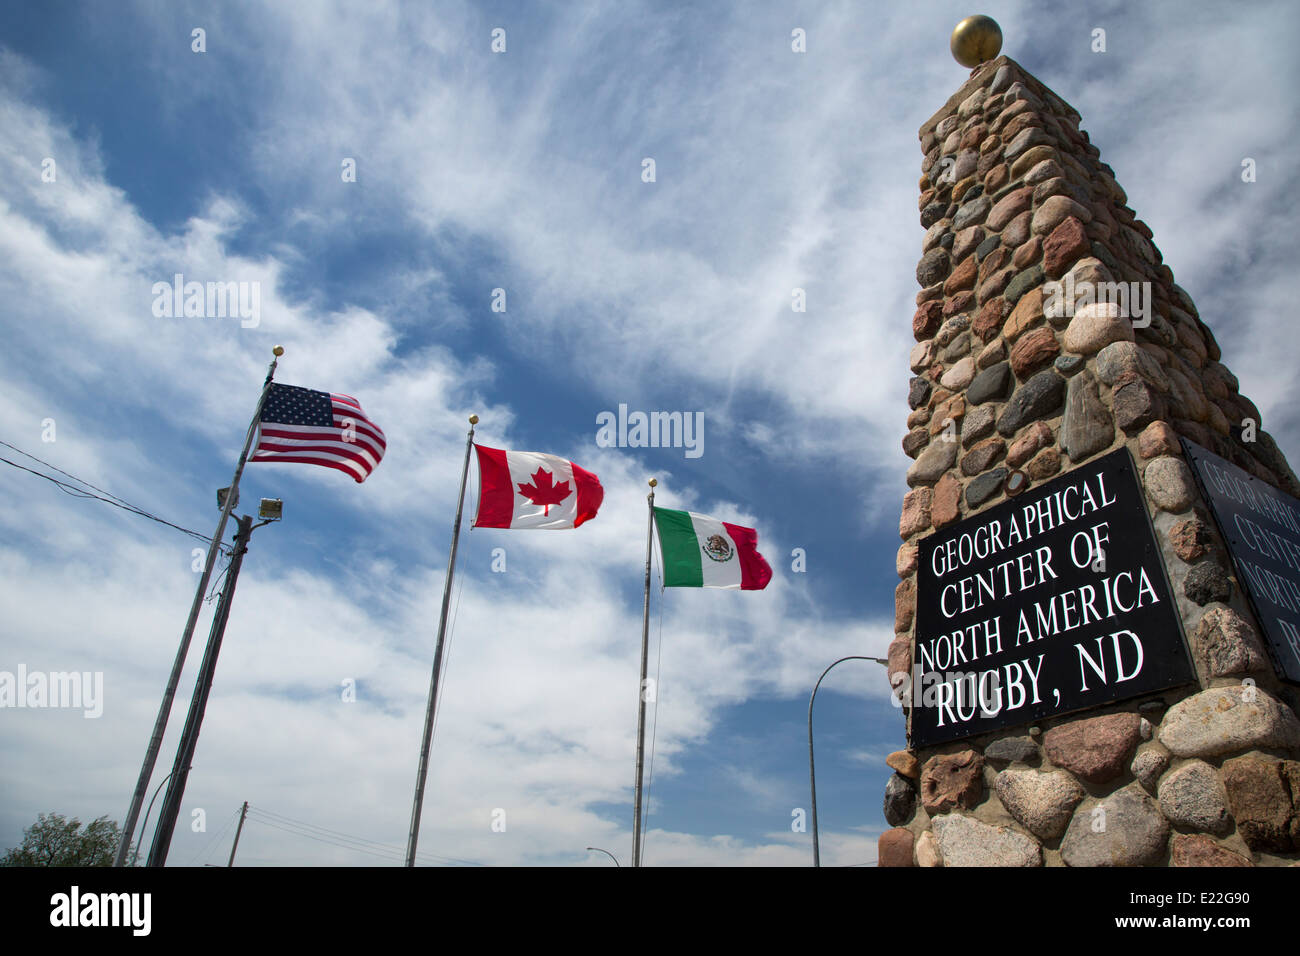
<point x="543" y="491"/>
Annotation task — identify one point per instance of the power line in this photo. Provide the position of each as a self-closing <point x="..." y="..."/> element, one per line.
<point x="111" y="498"/>
<point x="321" y="834"/>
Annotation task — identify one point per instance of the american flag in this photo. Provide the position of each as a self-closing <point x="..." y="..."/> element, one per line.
<point x="318" y="428"/>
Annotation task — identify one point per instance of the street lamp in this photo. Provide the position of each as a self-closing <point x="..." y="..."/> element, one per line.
<point x="812" y="771"/>
<point x="607" y="853"/>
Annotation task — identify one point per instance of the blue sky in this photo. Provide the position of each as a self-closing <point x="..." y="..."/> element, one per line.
<point x="522" y="171"/>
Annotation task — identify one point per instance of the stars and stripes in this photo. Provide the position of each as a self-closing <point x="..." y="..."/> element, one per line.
<point x="318" y="428"/>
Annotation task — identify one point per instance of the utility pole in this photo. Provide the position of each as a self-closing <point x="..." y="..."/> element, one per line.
<point x="199" y="702"/>
<point x="238" y="830"/>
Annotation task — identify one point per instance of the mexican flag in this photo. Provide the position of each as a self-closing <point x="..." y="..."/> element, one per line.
<point x="527" y="489"/>
<point x="703" y="552"/>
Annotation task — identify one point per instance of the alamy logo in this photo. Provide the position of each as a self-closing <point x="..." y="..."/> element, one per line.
<point x="75" y="908"/>
<point x="1064" y="297"/>
<point x="55" y="689"/>
<point x="653" y="430"/>
<point x="212" y="300"/>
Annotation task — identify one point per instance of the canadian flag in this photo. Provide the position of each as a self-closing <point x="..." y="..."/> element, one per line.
<point x="526" y="489"/>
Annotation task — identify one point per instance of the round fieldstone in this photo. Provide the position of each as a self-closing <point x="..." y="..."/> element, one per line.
<point x="894" y="848"/>
<point x="1095" y="749"/>
<point x="1258" y="797"/>
<point x="982" y="455"/>
<point x="918" y="391"/>
<point x="1196" y="849"/>
<point x="977" y="424"/>
<point x="1087" y="427"/>
<point x="1193" y="796"/>
<point x="1033" y="350"/>
<point x="986" y="246"/>
<point x="1147" y="767"/>
<point x="937" y="458"/>
<point x="1169" y="484"/>
<point x="946" y="240"/>
<point x="960" y="375"/>
<point x="933" y="267"/>
<point x="1012" y="750"/>
<point x="992" y="384"/>
<point x="971" y="213"/>
<point x="927" y="850"/>
<point x="932" y="213"/>
<point x="1095" y="326"/>
<point x="1041" y="802"/>
<point x="1024" y="281"/>
<point x="965" y="841"/>
<point x="905" y="762"/>
<point x="1040" y="397"/>
<point x="1226" y="719"/>
<point x="1054" y="211"/>
<point x="1044" y="465"/>
<point x="984" y="487"/>
<point x="1068" y="364"/>
<point x="1123" y="829"/>
<point x="952" y="780"/>
<point x="900" y="800"/>
<point x="1227" y="643"/>
<point x="916" y="512"/>
<point x="1008" y="207"/>
<point x="1206" y="583"/>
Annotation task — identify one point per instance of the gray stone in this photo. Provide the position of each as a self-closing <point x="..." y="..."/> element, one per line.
<point x="1147" y="767"/>
<point x="984" y="487"/>
<point x="918" y="391"/>
<point x="960" y="375"/>
<point x="1206" y="583"/>
<point x="1169" y="484"/>
<point x="1012" y="749"/>
<point x="1228" y="643"/>
<point x="1040" y="802"/>
<point x="1026" y="139"/>
<point x="1124" y="357"/>
<point x="934" y="211"/>
<point x="957" y="347"/>
<point x="1222" y="720"/>
<point x="1040" y="397"/>
<point x="1001" y="79"/>
<point x="934" y="267"/>
<point x="1193" y="796"/>
<point x="964" y="841"/>
<point x="946" y="240"/>
<point x="985" y="247"/>
<point x="1123" y="829"/>
<point x="900" y="800"/>
<point x="1068" y="364"/>
<point x="992" y="384"/>
<point x="1087" y="427"/>
<point x="1031" y="278"/>
<point x="937" y="458"/>
<point x="977" y="424"/>
<point x="971" y="214"/>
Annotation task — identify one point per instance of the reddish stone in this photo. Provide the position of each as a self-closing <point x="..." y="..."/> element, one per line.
<point x="963" y="277"/>
<point x="1025" y="447"/>
<point x="1027" y="313"/>
<point x="1190" y="539"/>
<point x="1017" y="230"/>
<point x="997" y="177"/>
<point x="961" y="301"/>
<point x="947" y="497"/>
<point x="1096" y="749"/>
<point x="989" y="320"/>
<point x="904" y="604"/>
<point x="972" y="137"/>
<point x="916" y="512"/>
<point x="1046" y="464"/>
<point x="1027" y="253"/>
<point x="1196" y="849"/>
<point x="994" y="261"/>
<point x="926" y="198"/>
<point x="895" y="848"/>
<point x="1033" y="350"/>
<point x="907" y="560"/>
<point x="1260" y="800"/>
<point x="952" y="780"/>
<point x="982" y="455"/>
<point x="1019" y="123"/>
<point x="925" y="322"/>
<point x="1158" y="439"/>
<point x="995" y="285"/>
<point x="1067" y="244"/>
<point x="900" y="660"/>
<point x="1008" y="207"/>
<point x="914" y="441"/>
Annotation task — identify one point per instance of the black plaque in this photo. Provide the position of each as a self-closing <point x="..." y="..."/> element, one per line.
<point x="1051" y="602"/>
<point x="1262" y="528"/>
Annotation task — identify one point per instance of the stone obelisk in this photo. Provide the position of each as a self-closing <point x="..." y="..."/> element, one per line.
<point x="1011" y="390"/>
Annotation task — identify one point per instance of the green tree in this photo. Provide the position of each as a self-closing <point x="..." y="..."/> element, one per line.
<point x="54" y="840"/>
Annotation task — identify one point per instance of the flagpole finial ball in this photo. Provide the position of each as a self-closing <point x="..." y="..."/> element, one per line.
<point x="278" y="351"/>
<point x="976" y="40"/>
<point x="653" y="482"/>
<point x="473" y="419"/>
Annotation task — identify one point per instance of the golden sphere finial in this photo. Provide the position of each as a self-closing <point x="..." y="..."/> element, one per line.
<point x="653" y="482"/>
<point x="473" y="419"/>
<point x="976" y="40"/>
<point x="278" y="351"/>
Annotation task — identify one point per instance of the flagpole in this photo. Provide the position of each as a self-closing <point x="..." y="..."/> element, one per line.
<point x="160" y="724"/>
<point x="645" y="657"/>
<point x="431" y="708"/>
